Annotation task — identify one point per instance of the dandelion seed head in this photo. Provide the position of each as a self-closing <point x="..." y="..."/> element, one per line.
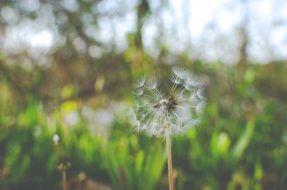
<point x="152" y="85"/>
<point x="160" y="113"/>
<point x="139" y="92"/>
<point x="199" y="107"/>
<point x="141" y="83"/>
<point x="181" y="73"/>
<point x="176" y="80"/>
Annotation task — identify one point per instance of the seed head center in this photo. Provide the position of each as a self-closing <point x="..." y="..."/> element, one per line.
<point x="168" y="104"/>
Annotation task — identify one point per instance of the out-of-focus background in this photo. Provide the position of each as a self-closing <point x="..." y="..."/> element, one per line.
<point x="68" y="68"/>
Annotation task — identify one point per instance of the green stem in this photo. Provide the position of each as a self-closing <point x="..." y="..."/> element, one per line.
<point x="64" y="180"/>
<point x="169" y="163"/>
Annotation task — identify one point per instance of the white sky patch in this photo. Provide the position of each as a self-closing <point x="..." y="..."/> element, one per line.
<point x="280" y="39"/>
<point x="200" y="15"/>
<point x="29" y="35"/>
<point x="264" y="8"/>
<point x="124" y="26"/>
<point x="150" y="32"/>
<point x="264" y="37"/>
<point x="71" y="5"/>
<point x="42" y="38"/>
<point x="227" y="20"/>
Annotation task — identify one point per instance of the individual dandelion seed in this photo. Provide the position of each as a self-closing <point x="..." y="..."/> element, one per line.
<point x="164" y="113"/>
<point x="161" y="113"/>
<point x="56" y="139"/>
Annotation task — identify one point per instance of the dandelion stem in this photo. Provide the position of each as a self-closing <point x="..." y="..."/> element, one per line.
<point x="64" y="180"/>
<point x="169" y="163"/>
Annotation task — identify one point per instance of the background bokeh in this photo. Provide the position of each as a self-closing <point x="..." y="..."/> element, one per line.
<point x="68" y="67"/>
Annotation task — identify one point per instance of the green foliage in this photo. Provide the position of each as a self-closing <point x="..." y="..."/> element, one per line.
<point x="132" y="167"/>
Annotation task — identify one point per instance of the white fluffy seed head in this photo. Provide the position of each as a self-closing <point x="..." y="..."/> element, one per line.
<point x="141" y="83"/>
<point x="160" y="114"/>
<point x="56" y="139"/>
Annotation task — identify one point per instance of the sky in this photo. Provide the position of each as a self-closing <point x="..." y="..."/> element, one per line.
<point x="208" y="28"/>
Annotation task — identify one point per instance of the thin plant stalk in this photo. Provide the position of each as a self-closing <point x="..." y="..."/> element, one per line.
<point x="64" y="181"/>
<point x="169" y="163"/>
